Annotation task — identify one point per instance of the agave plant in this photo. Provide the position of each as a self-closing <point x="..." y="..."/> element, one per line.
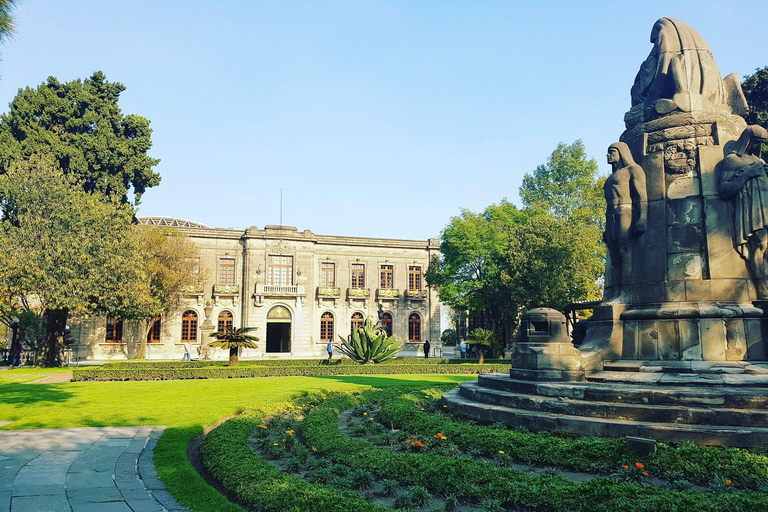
<point x="369" y="344"/>
<point x="233" y="339"/>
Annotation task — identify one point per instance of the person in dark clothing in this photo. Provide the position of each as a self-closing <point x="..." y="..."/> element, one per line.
<point x="426" y="349"/>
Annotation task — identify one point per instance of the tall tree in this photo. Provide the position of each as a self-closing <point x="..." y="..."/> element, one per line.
<point x="81" y="125"/>
<point x="755" y="88"/>
<point x="568" y="185"/>
<point x="62" y="250"/>
<point x="6" y="20"/>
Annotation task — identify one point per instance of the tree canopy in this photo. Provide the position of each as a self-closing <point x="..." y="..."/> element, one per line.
<point x="81" y="125"/>
<point x="506" y="260"/>
<point x="755" y="88"/>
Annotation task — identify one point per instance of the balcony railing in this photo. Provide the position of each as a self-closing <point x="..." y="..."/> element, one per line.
<point x="226" y="289"/>
<point x="416" y="294"/>
<point x="330" y="292"/>
<point x="193" y="289"/>
<point x="358" y="293"/>
<point x="387" y="293"/>
<point x="279" y="290"/>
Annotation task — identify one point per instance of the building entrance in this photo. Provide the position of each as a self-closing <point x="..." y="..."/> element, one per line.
<point x="279" y="330"/>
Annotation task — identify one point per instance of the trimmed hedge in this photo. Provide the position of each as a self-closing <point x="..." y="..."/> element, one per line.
<point x="106" y="373"/>
<point x="229" y="458"/>
<point x="698" y="464"/>
<point x="408" y="361"/>
<point x="470" y="479"/>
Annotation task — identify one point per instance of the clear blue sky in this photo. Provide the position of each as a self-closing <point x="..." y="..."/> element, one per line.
<point x="375" y="118"/>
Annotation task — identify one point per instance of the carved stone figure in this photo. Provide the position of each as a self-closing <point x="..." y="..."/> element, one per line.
<point x="680" y="74"/>
<point x="743" y="179"/>
<point x="626" y="214"/>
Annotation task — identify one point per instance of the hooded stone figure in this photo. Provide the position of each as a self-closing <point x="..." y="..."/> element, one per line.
<point x="626" y="213"/>
<point x="743" y="180"/>
<point x="679" y="72"/>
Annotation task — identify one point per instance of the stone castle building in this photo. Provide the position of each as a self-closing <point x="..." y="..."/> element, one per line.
<point x="300" y="290"/>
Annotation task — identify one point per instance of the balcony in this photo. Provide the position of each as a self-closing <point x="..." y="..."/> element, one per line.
<point x="358" y="293"/>
<point x="279" y="290"/>
<point x="387" y="293"/>
<point x="416" y="294"/>
<point x="328" y="292"/>
<point x="192" y="290"/>
<point x="226" y="289"/>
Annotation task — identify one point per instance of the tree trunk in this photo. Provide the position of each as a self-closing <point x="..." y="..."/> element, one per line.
<point x="233" y="356"/>
<point x="144" y="327"/>
<point x="481" y="354"/>
<point x="55" y="323"/>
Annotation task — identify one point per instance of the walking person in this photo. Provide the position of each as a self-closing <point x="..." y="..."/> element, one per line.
<point x="426" y="349"/>
<point x="330" y="351"/>
<point x="187" y="352"/>
<point x="463" y="349"/>
<point x="16" y="351"/>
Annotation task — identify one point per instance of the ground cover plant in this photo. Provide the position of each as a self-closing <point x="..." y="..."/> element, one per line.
<point x="304" y="445"/>
<point x="185" y="407"/>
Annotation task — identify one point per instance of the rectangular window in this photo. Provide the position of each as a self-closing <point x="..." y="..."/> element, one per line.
<point x="114" y="330"/>
<point x="414" y="277"/>
<point x="226" y="270"/>
<point x="327" y="274"/>
<point x="358" y="275"/>
<point x="387" y="276"/>
<point x="280" y="271"/>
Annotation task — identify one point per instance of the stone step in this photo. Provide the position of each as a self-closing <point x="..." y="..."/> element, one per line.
<point x="615" y="410"/>
<point x="744" y="437"/>
<point x="634" y="392"/>
<point x="716" y="367"/>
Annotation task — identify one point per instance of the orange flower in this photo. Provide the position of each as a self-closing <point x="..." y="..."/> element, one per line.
<point x="645" y="473"/>
<point x="639" y="465"/>
<point x="626" y="467"/>
<point x="728" y="482"/>
<point x="440" y="435"/>
<point x="262" y="426"/>
<point x="289" y="432"/>
<point x="418" y="444"/>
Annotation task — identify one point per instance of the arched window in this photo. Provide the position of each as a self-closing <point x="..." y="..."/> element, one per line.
<point x="386" y="323"/>
<point x="153" y="336"/>
<point x="357" y="321"/>
<point x="326" y="327"/>
<point x="414" y="327"/>
<point x="225" y="321"/>
<point x="114" y="330"/>
<point x="189" y="326"/>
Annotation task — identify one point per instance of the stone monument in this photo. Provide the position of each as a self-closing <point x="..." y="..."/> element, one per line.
<point x="675" y="287"/>
<point x="670" y="352"/>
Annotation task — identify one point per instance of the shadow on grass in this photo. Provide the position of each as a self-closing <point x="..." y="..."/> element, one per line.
<point x="14" y="393"/>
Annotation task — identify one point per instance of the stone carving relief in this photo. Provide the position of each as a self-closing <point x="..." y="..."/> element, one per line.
<point x="280" y="247"/>
<point x="626" y="214"/>
<point x="743" y="181"/>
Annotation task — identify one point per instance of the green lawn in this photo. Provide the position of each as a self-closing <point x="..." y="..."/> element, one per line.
<point x="184" y="406"/>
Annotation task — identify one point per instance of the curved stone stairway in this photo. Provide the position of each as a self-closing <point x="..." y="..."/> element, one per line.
<point x="721" y="404"/>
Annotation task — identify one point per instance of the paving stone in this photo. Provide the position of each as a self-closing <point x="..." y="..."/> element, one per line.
<point x="145" y="506"/>
<point x="96" y="495"/>
<point x="57" y="503"/>
<point x="93" y="479"/>
<point x="115" y="506"/>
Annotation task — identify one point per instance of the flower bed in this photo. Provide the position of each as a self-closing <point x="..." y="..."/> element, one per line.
<point x="222" y="372"/>
<point x="408" y="361"/>
<point x="312" y="444"/>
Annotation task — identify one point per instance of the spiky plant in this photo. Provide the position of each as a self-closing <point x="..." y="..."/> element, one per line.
<point x="233" y="339"/>
<point x="483" y="338"/>
<point x="369" y="344"/>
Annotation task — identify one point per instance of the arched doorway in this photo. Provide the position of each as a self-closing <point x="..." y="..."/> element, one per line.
<point x="278" y="330"/>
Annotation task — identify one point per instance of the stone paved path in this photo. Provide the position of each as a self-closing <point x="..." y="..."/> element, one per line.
<point x="103" y="469"/>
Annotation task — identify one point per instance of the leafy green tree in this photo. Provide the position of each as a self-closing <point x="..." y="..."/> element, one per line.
<point x="567" y="186"/>
<point x="62" y="250"/>
<point x="369" y="344"/>
<point x="449" y="337"/>
<point x="81" y="125"/>
<point x="755" y="88"/>
<point x="234" y="339"/>
<point x="6" y="20"/>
